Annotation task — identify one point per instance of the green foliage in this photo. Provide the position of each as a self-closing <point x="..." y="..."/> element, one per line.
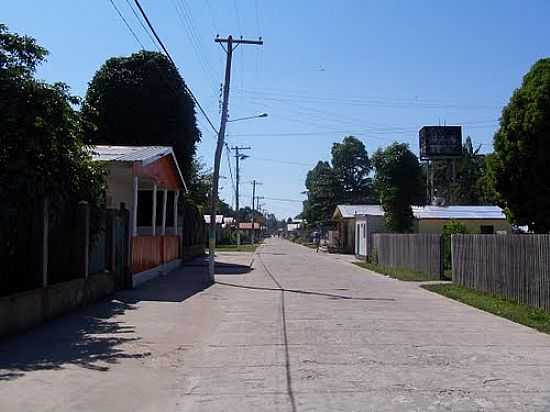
<point x="522" y="152"/>
<point x="451" y="228"/>
<point x="42" y="151"/>
<point x="470" y="186"/>
<point x="345" y="181"/>
<point x="323" y="194"/>
<point x="19" y="55"/>
<point x="399" y="183"/>
<point x="516" y="312"/>
<point x="351" y="165"/>
<point x="141" y="100"/>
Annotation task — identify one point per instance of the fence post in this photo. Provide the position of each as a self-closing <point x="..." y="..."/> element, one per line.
<point x="44" y="245"/>
<point x="110" y="241"/>
<point x="84" y="236"/>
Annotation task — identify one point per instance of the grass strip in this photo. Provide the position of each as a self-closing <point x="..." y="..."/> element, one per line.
<point x="516" y="312"/>
<point x="405" y="274"/>
<point x="235" y="248"/>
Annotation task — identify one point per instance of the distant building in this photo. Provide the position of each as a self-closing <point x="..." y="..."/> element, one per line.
<point x="356" y="223"/>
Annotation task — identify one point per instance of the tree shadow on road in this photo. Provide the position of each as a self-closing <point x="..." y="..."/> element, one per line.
<point x="95" y="337"/>
<point x="90" y="338"/>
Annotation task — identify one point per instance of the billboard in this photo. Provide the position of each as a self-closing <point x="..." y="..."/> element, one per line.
<point x="440" y="141"/>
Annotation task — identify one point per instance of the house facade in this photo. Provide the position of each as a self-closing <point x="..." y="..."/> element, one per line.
<point x="147" y="181"/>
<point x="356" y="223"/>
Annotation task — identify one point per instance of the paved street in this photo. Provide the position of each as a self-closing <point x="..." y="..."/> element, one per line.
<point x="338" y="338"/>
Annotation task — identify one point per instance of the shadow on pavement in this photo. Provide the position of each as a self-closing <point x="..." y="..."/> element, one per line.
<point x="200" y="265"/>
<point x="89" y="338"/>
<point x="95" y="337"/>
<point x="306" y="292"/>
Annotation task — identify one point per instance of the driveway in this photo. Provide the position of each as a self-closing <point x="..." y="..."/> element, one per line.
<point x="300" y="332"/>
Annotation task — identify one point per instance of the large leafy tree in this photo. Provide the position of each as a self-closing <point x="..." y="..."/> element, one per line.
<point x="399" y="183"/>
<point x="42" y="152"/>
<point x="351" y="164"/>
<point x="323" y="194"/>
<point x="42" y="155"/>
<point x="522" y="151"/>
<point x="142" y="100"/>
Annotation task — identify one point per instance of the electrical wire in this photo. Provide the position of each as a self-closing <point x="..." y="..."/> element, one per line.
<point x="142" y="25"/>
<point x="278" y="199"/>
<point x="172" y="61"/>
<point x="127" y="24"/>
<point x="183" y="11"/>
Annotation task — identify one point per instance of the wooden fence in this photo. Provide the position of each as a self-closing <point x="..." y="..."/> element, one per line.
<point x="421" y="252"/>
<point x="514" y="266"/>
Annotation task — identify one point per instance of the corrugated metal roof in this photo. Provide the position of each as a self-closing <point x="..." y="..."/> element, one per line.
<point x="129" y="153"/>
<point x="459" y="212"/>
<point x="348" y="211"/>
<point x="430" y="212"/>
<point x="144" y="154"/>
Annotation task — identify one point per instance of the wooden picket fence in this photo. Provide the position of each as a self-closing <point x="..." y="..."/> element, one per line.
<point x="421" y="252"/>
<point x="514" y="266"/>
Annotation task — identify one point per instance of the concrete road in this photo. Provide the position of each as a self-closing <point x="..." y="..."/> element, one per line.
<point x="300" y="332"/>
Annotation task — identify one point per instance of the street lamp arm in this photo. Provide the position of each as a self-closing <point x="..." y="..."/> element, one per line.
<point x="258" y="116"/>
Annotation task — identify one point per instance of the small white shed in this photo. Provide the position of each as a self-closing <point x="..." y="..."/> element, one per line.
<point x="371" y="220"/>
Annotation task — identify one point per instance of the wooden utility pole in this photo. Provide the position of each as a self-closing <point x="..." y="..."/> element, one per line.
<point x="231" y="44"/>
<point x="238" y="158"/>
<point x="254" y="183"/>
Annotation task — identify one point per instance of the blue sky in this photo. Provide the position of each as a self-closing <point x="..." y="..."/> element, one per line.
<point x="375" y="69"/>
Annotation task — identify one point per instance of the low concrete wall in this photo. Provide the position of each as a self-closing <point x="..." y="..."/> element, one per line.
<point x="24" y="310"/>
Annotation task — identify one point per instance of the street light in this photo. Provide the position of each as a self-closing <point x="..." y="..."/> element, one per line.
<point x="258" y="116"/>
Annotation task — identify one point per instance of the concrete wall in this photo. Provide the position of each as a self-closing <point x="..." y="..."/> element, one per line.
<point x="472" y="225"/>
<point x="27" y="309"/>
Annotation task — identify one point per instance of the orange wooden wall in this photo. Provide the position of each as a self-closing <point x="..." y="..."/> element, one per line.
<point x="151" y="251"/>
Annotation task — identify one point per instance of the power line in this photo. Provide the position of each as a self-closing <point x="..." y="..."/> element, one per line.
<point x="127" y="24"/>
<point x="183" y="10"/>
<point x="142" y="25"/>
<point x="172" y="61"/>
<point x="288" y="162"/>
<point x="278" y="199"/>
<point x="229" y="165"/>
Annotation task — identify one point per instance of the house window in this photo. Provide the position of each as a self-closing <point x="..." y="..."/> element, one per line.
<point x="145" y="207"/>
<point x="487" y="229"/>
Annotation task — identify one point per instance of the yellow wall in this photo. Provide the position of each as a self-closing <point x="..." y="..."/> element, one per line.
<point x="472" y="225"/>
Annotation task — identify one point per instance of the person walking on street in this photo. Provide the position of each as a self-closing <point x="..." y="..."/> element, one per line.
<point x="316" y="240"/>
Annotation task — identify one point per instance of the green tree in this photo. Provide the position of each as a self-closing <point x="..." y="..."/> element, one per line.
<point x="399" y="183"/>
<point x="142" y="100"/>
<point x="322" y="195"/>
<point x="41" y="148"/>
<point x="469" y="184"/>
<point x="522" y="151"/>
<point x="351" y="164"/>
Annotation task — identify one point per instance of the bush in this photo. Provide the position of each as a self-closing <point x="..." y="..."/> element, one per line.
<point x="451" y="228"/>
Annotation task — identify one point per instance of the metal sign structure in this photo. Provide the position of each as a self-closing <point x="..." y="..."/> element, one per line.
<point x="438" y="142"/>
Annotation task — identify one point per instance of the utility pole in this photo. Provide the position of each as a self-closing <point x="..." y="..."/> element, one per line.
<point x="257" y="205"/>
<point x="254" y="182"/>
<point x="238" y="157"/>
<point x="219" y="146"/>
